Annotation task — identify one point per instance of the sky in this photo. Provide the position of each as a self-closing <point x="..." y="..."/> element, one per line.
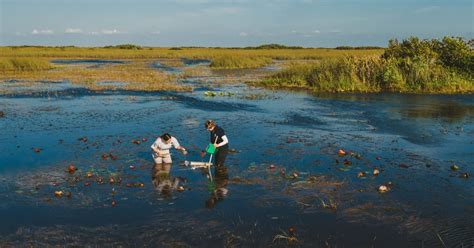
<point x="230" y="23"/>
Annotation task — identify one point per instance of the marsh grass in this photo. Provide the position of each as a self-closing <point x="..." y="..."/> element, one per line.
<point x="24" y="64"/>
<point x="137" y="74"/>
<point x="370" y="74"/>
<point x="239" y="62"/>
<point x="190" y="53"/>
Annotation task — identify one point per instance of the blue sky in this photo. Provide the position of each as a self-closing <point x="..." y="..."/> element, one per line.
<point x="310" y="23"/>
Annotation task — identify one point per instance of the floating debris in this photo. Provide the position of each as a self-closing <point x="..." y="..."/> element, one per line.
<point x="180" y="188"/>
<point x="454" y="167"/>
<point x="89" y="174"/>
<point x="144" y="139"/>
<point x="114" y="203"/>
<point x="58" y="193"/>
<point x="36" y="149"/>
<point x="105" y="156"/>
<point x="233" y="151"/>
<point x="376" y="172"/>
<point x="347" y="162"/>
<point x="113" y="157"/>
<point x="272" y="167"/>
<point x="135" y="185"/>
<point x="83" y="139"/>
<point x="341" y="152"/>
<point x="361" y="174"/>
<point x="132" y="167"/>
<point x="136" y="142"/>
<point x="405" y="166"/>
<point x="2" y="114"/>
<point x="71" y="169"/>
<point x="383" y="189"/>
<point x="292" y="230"/>
<point x="464" y="175"/>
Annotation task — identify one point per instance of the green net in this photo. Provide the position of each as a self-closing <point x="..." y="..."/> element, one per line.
<point x="211" y="149"/>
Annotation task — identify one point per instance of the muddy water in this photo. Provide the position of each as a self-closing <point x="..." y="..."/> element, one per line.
<point x="284" y="170"/>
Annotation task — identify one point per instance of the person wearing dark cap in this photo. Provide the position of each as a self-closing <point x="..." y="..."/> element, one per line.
<point x="161" y="148"/>
<point x="219" y="140"/>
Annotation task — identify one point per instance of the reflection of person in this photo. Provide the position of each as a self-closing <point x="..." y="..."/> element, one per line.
<point x="162" y="181"/>
<point x="219" y="140"/>
<point x="161" y="148"/>
<point x="221" y="180"/>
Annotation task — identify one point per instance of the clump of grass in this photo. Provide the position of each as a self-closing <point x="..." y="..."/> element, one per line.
<point x="411" y="66"/>
<point x="239" y="62"/>
<point x="24" y="64"/>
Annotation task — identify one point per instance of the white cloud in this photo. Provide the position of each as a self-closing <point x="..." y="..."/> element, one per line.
<point x="73" y="31"/>
<point x="243" y="34"/>
<point x="305" y="33"/>
<point x="43" y="31"/>
<point x="110" y="31"/>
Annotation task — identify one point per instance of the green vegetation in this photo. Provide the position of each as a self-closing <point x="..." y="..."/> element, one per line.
<point x="230" y="62"/>
<point x="176" y="53"/>
<point x="414" y="65"/>
<point x="357" y="48"/>
<point x="24" y="64"/>
<point x="126" y="46"/>
<point x="275" y="46"/>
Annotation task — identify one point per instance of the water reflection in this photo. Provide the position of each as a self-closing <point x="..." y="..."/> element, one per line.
<point x="218" y="187"/>
<point x="162" y="180"/>
<point x="448" y="111"/>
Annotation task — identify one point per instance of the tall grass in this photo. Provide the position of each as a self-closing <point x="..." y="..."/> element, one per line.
<point x="413" y="65"/>
<point x="24" y="64"/>
<point x="370" y="74"/>
<point x="191" y="53"/>
<point x="229" y="62"/>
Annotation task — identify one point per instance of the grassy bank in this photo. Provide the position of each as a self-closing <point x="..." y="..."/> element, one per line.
<point x="411" y="66"/>
<point x="239" y="62"/>
<point x="24" y="64"/>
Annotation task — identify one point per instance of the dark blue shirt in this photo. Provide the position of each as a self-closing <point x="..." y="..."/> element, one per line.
<point x="217" y="133"/>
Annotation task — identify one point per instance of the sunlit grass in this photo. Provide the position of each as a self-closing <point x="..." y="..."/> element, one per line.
<point x="24" y="64"/>
<point x="191" y="53"/>
<point x="368" y="74"/>
<point x="239" y="62"/>
<point x="138" y="75"/>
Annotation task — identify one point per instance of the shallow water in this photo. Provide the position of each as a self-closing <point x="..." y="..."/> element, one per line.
<point x="412" y="139"/>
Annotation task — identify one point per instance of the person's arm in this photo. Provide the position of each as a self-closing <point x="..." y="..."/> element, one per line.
<point x="224" y="141"/>
<point x="176" y="144"/>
